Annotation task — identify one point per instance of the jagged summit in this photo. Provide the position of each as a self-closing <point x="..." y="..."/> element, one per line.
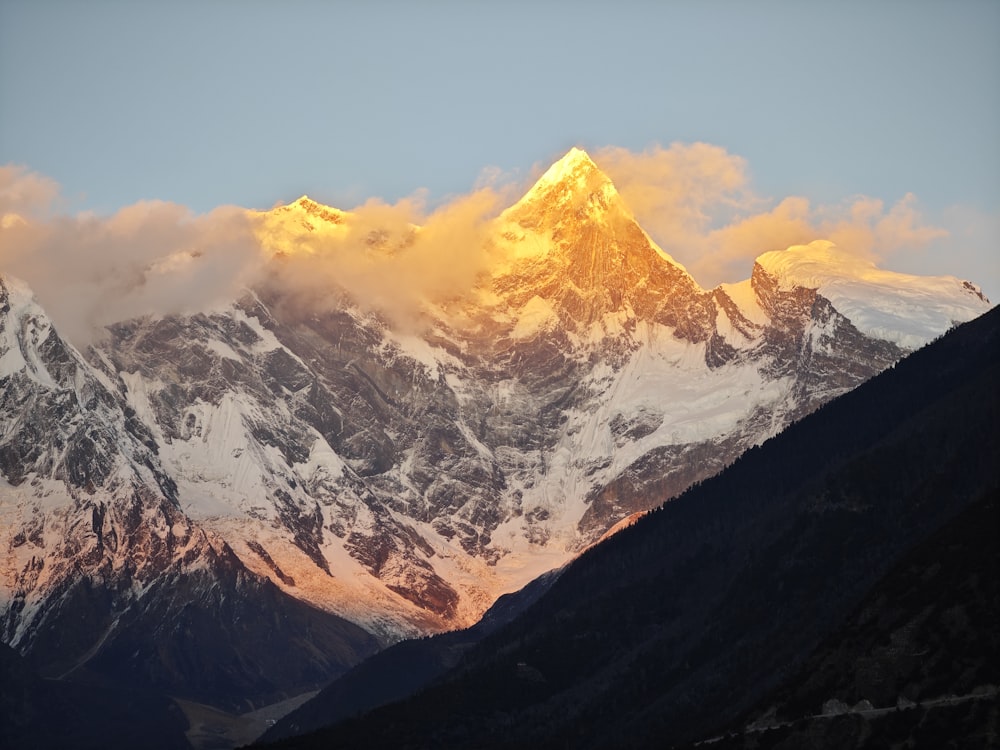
<point x="577" y="247"/>
<point x="307" y="204"/>
<point x="572" y="183"/>
<point x="12" y="285"/>
<point x="296" y="228"/>
<point x="574" y="163"/>
<point x="304" y="209"/>
<point x="23" y="324"/>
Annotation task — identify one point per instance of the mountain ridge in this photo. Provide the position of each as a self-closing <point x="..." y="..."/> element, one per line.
<point x="396" y="478"/>
<point x="683" y="621"/>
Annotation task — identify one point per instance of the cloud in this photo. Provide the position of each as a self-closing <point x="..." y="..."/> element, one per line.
<point x="902" y="229"/>
<point x="157" y="258"/>
<point x="697" y="201"/>
<point x="24" y="193"/>
<point x="968" y="252"/>
<point x="148" y="258"/>
<point x="387" y="258"/>
<point x="727" y="252"/>
<point x="678" y="191"/>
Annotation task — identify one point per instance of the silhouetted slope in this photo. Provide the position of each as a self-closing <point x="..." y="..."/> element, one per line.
<point x="675" y="626"/>
<point x="402" y="669"/>
<point x="923" y="642"/>
<point x="37" y="714"/>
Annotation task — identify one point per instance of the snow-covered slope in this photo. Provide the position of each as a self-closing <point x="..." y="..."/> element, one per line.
<point x="908" y="310"/>
<point x="101" y="569"/>
<point x="402" y="479"/>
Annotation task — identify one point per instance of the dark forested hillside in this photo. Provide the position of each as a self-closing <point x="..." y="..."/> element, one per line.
<point x="404" y="668"/>
<point x="915" y="665"/>
<point x="52" y="714"/>
<point x="674" y="628"/>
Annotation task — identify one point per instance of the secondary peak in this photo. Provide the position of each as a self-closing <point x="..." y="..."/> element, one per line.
<point x="318" y="210"/>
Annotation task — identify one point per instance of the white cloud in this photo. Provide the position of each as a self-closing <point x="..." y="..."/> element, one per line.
<point x="697" y="201"/>
<point x="148" y="258"/>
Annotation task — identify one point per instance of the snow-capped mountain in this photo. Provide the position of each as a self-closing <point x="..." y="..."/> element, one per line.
<point x="102" y="570"/>
<point x="401" y="478"/>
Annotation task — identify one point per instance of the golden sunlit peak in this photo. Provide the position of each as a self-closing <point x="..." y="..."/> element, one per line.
<point x="575" y="160"/>
<point x="575" y="169"/>
<point x="576" y="154"/>
<point x="572" y="178"/>
<point x="298" y="228"/>
<point x="307" y="203"/>
<point x="311" y="207"/>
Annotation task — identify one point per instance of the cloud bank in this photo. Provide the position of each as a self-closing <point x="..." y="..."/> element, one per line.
<point x="148" y="258"/>
<point x="389" y="258"/>
<point x="157" y="258"/>
<point x="696" y="200"/>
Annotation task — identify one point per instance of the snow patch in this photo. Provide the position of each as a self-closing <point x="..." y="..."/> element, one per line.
<point x="745" y="298"/>
<point x="536" y="316"/>
<point x="902" y="308"/>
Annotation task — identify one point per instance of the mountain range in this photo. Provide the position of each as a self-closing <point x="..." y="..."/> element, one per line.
<point x="238" y="504"/>
<point x="835" y="587"/>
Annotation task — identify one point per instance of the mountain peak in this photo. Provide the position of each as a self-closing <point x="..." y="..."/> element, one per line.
<point x="310" y="208"/>
<point x="598" y="261"/>
<point x="905" y="309"/>
<point x="575" y="168"/>
<point x="572" y="182"/>
<point x="13" y="286"/>
<point x="573" y="162"/>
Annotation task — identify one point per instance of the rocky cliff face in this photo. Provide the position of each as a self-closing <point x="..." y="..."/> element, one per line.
<point x="398" y="480"/>
<point x="103" y="571"/>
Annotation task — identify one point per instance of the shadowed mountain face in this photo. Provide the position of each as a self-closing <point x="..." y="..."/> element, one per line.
<point x="109" y="579"/>
<point x="670" y="630"/>
<point x="51" y="715"/>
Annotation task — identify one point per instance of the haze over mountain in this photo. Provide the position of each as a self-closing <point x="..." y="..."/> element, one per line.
<point x="308" y="465"/>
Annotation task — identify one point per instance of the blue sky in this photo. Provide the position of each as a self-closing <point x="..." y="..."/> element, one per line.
<point x="254" y="103"/>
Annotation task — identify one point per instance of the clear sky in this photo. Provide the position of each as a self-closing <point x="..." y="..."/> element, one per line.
<point x="254" y="103"/>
